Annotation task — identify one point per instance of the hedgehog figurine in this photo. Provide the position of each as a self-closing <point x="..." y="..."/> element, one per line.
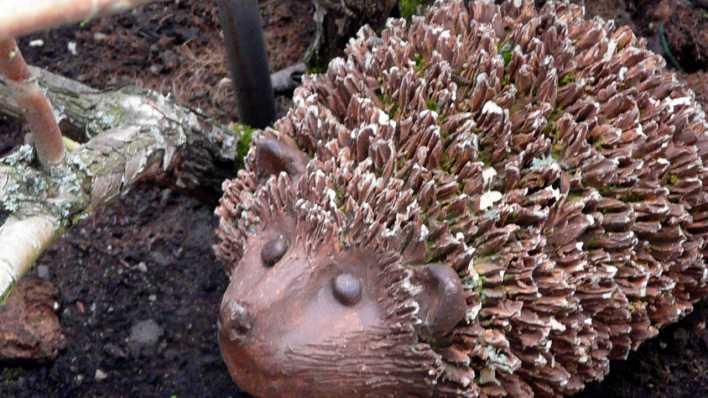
<point x="488" y="200"/>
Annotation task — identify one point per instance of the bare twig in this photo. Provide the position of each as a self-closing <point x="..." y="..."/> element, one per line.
<point x="21" y="17"/>
<point x="23" y="240"/>
<point x="36" y="108"/>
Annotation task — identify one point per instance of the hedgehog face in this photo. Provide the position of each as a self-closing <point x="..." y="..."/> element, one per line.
<point x="306" y="318"/>
<point x="303" y="323"/>
<point x="285" y="304"/>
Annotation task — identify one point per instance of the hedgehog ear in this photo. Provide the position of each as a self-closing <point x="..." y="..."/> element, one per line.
<point x="441" y="299"/>
<point x="274" y="156"/>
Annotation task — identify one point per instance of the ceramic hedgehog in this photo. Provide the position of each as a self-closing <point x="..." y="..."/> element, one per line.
<point x="488" y="200"/>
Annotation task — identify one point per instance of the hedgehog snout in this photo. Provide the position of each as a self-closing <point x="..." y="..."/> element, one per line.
<point x="235" y="323"/>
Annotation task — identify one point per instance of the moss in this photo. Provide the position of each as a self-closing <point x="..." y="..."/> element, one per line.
<point x="339" y="195"/>
<point x="108" y="116"/>
<point x="389" y="105"/>
<point x="506" y="79"/>
<point x="557" y="151"/>
<point x="596" y="143"/>
<point x="11" y="373"/>
<point x="592" y="243"/>
<point x="400" y="163"/>
<point x="245" y="135"/>
<point x="70" y="144"/>
<point x="480" y="286"/>
<point x="474" y="282"/>
<point x="429" y="249"/>
<point x="631" y="198"/>
<point x="316" y="62"/>
<point x="607" y="189"/>
<point x="505" y="52"/>
<point x="673" y="179"/>
<point x="420" y="62"/>
<point x="316" y="69"/>
<point x="446" y="163"/>
<point x="431" y="104"/>
<point x="550" y="129"/>
<point x="574" y="196"/>
<point x="461" y="188"/>
<point x="566" y="79"/>
<point x="631" y="307"/>
<point x="6" y="295"/>
<point x="408" y="8"/>
<point x="485" y="156"/>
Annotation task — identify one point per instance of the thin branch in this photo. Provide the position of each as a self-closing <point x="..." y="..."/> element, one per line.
<point x="143" y="137"/>
<point x="23" y="240"/>
<point x="35" y="107"/>
<point x="21" y="17"/>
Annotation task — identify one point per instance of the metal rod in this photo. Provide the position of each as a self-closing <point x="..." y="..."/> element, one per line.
<point x="248" y="61"/>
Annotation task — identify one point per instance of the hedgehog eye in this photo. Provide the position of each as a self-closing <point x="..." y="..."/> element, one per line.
<point x="346" y="289"/>
<point x="274" y="250"/>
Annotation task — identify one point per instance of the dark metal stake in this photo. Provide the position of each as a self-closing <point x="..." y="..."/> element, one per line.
<point x="248" y="61"/>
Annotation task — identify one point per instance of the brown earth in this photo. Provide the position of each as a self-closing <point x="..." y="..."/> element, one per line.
<point x="145" y="262"/>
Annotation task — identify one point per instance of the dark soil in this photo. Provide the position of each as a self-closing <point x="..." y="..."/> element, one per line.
<point x="97" y="268"/>
<point x="148" y="256"/>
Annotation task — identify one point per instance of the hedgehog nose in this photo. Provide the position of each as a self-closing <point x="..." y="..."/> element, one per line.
<point x="235" y="322"/>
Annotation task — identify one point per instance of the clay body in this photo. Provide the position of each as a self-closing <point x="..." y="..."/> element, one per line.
<point x="489" y="200"/>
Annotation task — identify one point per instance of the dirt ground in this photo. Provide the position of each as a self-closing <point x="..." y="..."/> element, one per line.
<point x="147" y="258"/>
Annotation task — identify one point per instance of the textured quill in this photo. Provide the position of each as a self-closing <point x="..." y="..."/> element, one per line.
<point x="551" y="161"/>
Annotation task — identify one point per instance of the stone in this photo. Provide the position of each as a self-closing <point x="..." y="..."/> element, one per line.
<point x="100" y="375"/>
<point x="142" y="267"/>
<point x="144" y="337"/>
<point x="29" y="326"/>
<point x="43" y="272"/>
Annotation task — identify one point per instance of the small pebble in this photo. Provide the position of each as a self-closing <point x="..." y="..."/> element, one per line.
<point x="144" y="336"/>
<point x="142" y="267"/>
<point x="100" y="375"/>
<point x="114" y="351"/>
<point x="152" y="297"/>
<point x="43" y="272"/>
<point x="160" y="258"/>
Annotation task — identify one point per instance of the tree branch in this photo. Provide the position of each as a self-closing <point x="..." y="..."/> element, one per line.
<point x="34" y="105"/>
<point x="134" y="135"/>
<point x="23" y="240"/>
<point x="21" y="17"/>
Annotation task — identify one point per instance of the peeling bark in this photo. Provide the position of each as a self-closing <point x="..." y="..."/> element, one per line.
<point x="24" y="239"/>
<point x="133" y="135"/>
